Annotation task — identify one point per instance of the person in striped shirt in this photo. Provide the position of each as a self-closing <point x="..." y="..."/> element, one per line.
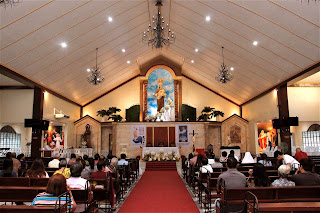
<point x="57" y="185"/>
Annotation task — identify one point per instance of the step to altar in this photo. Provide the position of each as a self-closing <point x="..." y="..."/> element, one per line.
<point x="161" y="166"/>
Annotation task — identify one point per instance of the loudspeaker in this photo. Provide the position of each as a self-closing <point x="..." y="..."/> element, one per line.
<point x="285" y="122"/>
<point x="43" y="124"/>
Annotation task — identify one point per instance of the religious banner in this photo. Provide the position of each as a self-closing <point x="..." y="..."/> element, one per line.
<point x="267" y="137"/>
<point x="138" y="135"/>
<point x="183" y="136"/>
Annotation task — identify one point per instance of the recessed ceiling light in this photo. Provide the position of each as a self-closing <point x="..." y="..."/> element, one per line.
<point x="110" y="19"/>
<point x="128" y="62"/>
<point x="192" y="61"/>
<point x="196" y="50"/>
<point x="208" y="18"/>
<point x="88" y="70"/>
<point x="255" y="43"/>
<point x="64" y="44"/>
<point x="231" y="68"/>
<point x="123" y="50"/>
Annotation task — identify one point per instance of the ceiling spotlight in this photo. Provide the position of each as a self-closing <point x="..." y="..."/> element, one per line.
<point x="64" y="44"/>
<point x="196" y="50"/>
<point x="88" y="70"/>
<point x="192" y="61"/>
<point x="110" y="19"/>
<point x="208" y="18"/>
<point x="255" y="43"/>
<point x="128" y="62"/>
<point x="123" y="50"/>
<point x="231" y="68"/>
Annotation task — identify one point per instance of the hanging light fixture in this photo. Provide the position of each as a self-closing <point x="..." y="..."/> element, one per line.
<point x="158" y="34"/>
<point x="95" y="77"/>
<point x="224" y="75"/>
<point x="5" y="3"/>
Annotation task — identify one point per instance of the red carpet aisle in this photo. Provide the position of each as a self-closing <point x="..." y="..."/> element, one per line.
<point x="159" y="191"/>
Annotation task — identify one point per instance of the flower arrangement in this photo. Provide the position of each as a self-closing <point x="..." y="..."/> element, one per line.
<point x="160" y="156"/>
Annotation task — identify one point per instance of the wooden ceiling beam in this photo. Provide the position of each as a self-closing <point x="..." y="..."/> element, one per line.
<point x="30" y="83"/>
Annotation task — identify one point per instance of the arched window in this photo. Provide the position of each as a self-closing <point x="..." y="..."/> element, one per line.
<point x="9" y="139"/>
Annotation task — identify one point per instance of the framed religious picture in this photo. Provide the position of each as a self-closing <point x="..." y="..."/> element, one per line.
<point x="182" y="135"/>
<point x="267" y="137"/>
<point x="138" y="136"/>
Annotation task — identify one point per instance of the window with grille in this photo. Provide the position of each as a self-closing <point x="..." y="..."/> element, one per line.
<point x="10" y="140"/>
<point x="311" y="138"/>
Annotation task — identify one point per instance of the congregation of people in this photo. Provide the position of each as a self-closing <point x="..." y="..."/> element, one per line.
<point x="73" y="173"/>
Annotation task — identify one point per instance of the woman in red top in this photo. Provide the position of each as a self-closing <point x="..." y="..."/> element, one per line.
<point x="300" y="155"/>
<point x="100" y="174"/>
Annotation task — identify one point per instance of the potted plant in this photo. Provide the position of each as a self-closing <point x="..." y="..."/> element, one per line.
<point x="102" y="113"/>
<point x="217" y="114"/>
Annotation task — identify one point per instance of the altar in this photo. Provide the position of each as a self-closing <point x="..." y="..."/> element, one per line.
<point x="157" y="150"/>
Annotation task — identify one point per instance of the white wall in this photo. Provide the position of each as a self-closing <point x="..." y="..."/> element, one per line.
<point x="51" y="102"/>
<point x="15" y="106"/>
<point x="304" y="102"/>
<point x="123" y="98"/>
<point x="192" y="94"/>
<point x="197" y="96"/>
<point x="260" y="110"/>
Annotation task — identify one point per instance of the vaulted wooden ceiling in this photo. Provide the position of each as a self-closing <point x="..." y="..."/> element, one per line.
<point x="288" y="35"/>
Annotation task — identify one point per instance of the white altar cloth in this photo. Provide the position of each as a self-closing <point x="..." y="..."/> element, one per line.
<point x="157" y="150"/>
<point x="78" y="151"/>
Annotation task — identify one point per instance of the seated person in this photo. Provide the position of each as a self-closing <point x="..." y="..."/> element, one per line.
<point x="73" y="159"/>
<point x="288" y="160"/>
<point x="55" y="162"/>
<point x="37" y="169"/>
<point x="247" y="158"/>
<point x="205" y="166"/>
<point x="56" y="186"/>
<point x="86" y="159"/>
<point x="216" y="163"/>
<point x="259" y="177"/>
<point x="7" y="169"/>
<point x="264" y="160"/>
<point x="123" y="160"/>
<point x="233" y="155"/>
<point x="232" y="179"/>
<point x="76" y="181"/>
<point x="283" y="172"/>
<point x="96" y="158"/>
<point x="187" y="163"/>
<point x="300" y="154"/>
<point x="100" y="174"/>
<point x="63" y="169"/>
<point x="304" y="176"/>
<point x="223" y="157"/>
<point x="113" y="166"/>
<point x="193" y="160"/>
<point x="86" y="172"/>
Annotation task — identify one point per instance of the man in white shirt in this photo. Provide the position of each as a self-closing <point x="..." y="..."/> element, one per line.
<point x="288" y="160"/>
<point x="55" y="162"/>
<point x="76" y="181"/>
<point x="123" y="161"/>
<point x="205" y="166"/>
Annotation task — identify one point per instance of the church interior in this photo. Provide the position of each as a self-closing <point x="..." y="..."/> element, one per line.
<point x="164" y="97"/>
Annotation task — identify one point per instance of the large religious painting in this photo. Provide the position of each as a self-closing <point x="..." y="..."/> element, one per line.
<point x="267" y="136"/>
<point x="160" y="96"/>
<point x="53" y="137"/>
<point x="235" y="134"/>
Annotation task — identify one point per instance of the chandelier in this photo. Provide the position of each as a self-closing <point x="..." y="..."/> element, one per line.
<point x="158" y="34"/>
<point x="95" y="77"/>
<point x="224" y="75"/>
<point x="5" y="3"/>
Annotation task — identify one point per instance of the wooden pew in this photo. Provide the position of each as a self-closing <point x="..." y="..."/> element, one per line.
<point x="269" y="195"/>
<point x="14" y="181"/>
<point x="27" y="209"/>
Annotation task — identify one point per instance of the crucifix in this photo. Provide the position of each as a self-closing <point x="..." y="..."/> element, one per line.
<point x="193" y="139"/>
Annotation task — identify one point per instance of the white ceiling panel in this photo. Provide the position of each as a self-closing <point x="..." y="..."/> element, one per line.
<point x="287" y="32"/>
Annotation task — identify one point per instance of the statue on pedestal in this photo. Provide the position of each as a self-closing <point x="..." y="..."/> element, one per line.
<point x="85" y="138"/>
<point x="160" y="95"/>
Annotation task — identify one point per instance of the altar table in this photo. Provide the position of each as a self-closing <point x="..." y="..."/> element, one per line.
<point x="157" y="150"/>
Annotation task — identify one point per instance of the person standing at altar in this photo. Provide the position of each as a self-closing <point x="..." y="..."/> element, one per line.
<point x="160" y="94"/>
